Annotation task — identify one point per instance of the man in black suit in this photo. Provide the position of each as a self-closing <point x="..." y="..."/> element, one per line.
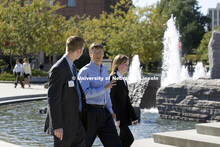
<point x="66" y="116"/>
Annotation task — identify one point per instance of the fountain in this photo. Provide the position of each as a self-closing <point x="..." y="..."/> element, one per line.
<point x="172" y="69"/>
<point x="195" y="98"/>
<point x="199" y="71"/>
<point x="142" y="89"/>
<point x="184" y="73"/>
<point x="134" y="74"/>
<point x="171" y="55"/>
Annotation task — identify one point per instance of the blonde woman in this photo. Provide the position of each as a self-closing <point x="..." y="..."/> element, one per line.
<point x="27" y="71"/>
<point x="120" y="100"/>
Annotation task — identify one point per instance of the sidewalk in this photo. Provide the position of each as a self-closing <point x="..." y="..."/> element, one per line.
<point x="10" y="94"/>
<point x="5" y="144"/>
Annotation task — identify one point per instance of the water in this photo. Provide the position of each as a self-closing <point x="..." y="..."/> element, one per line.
<point x="134" y="74"/>
<point x="184" y="73"/>
<point x="22" y="124"/>
<point x="171" y="67"/>
<point x="199" y="71"/>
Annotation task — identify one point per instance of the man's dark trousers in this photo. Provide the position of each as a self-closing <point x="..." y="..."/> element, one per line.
<point x="100" y="122"/>
<point x="77" y="141"/>
<point x="18" y="78"/>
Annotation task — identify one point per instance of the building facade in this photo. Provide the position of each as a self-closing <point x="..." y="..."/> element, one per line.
<point x="91" y="8"/>
<point x="214" y="14"/>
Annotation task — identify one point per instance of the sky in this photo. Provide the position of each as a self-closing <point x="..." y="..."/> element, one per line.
<point x="205" y="4"/>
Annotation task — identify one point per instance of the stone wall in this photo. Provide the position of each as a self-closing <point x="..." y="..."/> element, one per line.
<point x="143" y="94"/>
<point x="197" y="100"/>
<point x="214" y="55"/>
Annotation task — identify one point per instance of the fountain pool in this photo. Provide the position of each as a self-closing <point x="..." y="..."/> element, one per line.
<point x="22" y="124"/>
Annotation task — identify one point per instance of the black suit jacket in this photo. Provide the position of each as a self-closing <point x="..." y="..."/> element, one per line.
<point x="121" y="102"/>
<point x="63" y="108"/>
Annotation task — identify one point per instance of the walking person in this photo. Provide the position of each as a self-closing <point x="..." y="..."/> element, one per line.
<point x="26" y="71"/>
<point x="121" y="101"/>
<point x="18" y="73"/>
<point x="66" y="116"/>
<point x="94" y="79"/>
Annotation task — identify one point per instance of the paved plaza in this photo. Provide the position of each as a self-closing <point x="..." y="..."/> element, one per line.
<point x="8" y="90"/>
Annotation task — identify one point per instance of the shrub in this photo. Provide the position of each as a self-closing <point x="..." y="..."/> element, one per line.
<point x="38" y="73"/>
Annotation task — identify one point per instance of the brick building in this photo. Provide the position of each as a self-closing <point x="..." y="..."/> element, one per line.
<point x="89" y="7"/>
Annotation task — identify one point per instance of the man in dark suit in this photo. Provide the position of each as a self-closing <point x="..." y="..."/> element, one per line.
<point x="66" y="116"/>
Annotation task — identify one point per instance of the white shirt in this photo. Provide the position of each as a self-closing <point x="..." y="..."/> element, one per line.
<point x="120" y="76"/>
<point x="18" y="68"/>
<point x="27" y="68"/>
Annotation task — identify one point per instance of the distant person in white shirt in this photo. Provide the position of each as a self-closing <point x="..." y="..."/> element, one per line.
<point x="26" y="71"/>
<point x="18" y="73"/>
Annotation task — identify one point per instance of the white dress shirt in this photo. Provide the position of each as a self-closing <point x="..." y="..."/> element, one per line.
<point x="18" y="68"/>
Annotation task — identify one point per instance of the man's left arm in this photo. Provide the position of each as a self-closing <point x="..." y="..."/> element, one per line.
<point x="109" y="103"/>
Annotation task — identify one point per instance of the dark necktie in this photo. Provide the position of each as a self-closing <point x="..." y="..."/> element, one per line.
<point x="77" y="87"/>
<point x="126" y="84"/>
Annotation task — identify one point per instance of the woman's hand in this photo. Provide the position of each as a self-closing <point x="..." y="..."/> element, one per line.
<point x="135" y="122"/>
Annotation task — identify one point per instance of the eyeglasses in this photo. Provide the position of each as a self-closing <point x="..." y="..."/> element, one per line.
<point x="98" y="52"/>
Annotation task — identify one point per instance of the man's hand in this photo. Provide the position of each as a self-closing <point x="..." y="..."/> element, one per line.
<point x="135" y="122"/>
<point x="59" y="133"/>
<point x="110" y="84"/>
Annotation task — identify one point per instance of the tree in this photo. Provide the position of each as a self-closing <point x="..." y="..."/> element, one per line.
<point x="190" y="21"/>
<point x="202" y="51"/>
<point x="136" y="31"/>
<point x="33" y="27"/>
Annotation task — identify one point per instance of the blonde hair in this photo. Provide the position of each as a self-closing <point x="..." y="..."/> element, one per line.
<point x="25" y="59"/>
<point x="73" y="43"/>
<point x="119" y="59"/>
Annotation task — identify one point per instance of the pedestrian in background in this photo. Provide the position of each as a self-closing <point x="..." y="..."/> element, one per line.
<point x="26" y="71"/>
<point x="18" y="73"/>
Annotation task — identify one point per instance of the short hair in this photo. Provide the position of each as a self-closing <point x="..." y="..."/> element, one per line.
<point x="74" y="42"/>
<point x="119" y="59"/>
<point x="95" y="45"/>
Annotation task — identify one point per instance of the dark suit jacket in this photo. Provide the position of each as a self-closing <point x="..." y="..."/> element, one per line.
<point x="121" y="103"/>
<point x="63" y="108"/>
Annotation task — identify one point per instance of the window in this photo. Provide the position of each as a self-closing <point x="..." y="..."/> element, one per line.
<point x="50" y="2"/>
<point x="210" y="13"/>
<point x="67" y="17"/>
<point x="215" y="14"/>
<point x="71" y="3"/>
<point x="219" y="14"/>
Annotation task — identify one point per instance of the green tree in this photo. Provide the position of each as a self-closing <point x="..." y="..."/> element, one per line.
<point x="136" y="31"/>
<point x="190" y="21"/>
<point x="202" y="51"/>
<point x="34" y="27"/>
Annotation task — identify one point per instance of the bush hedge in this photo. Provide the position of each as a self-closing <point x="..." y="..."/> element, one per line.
<point x="9" y="76"/>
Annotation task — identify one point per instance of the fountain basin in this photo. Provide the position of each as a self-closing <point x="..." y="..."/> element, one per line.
<point x="197" y="100"/>
<point x="22" y="124"/>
